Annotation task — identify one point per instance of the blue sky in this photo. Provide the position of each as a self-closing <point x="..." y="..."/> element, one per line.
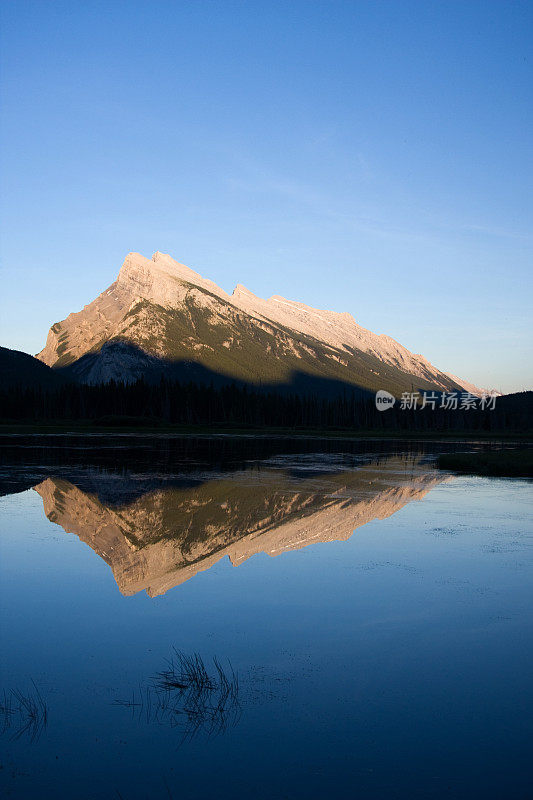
<point x="371" y="157"/>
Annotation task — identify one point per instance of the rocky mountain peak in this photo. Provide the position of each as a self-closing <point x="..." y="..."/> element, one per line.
<point x="167" y="310"/>
<point x="166" y="264"/>
<point x="162" y="280"/>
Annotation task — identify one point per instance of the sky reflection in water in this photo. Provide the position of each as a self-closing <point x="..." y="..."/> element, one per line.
<point x="385" y="650"/>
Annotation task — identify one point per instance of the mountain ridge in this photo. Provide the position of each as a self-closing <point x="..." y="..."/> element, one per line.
<point x="171" y="312"/>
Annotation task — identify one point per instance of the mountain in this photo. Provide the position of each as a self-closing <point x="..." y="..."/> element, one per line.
<point x="160" y="317"/>
<point x="20" y="369"/>
<point x="166" y="536"/>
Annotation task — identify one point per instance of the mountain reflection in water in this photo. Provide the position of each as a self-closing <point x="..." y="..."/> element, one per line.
<point x="160" y="536"/>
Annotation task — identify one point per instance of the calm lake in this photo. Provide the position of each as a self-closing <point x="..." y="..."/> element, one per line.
<point x="261" y="618"/>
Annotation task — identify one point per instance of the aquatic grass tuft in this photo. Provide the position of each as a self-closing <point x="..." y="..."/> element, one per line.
<point x="185" y="672"/>
<point x="26" y="713"/>
<point x="185" y="694"/>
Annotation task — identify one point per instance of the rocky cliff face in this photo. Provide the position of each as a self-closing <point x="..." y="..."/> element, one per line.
<point x="167" y="312"/>
<point x="169" y="535"/>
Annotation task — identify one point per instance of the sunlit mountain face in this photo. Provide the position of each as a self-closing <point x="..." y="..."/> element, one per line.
<point x="157" y="535"/>
<point x="161" y="318"/>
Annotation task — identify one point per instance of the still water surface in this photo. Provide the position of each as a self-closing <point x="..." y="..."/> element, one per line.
<point x="372" y="617"/>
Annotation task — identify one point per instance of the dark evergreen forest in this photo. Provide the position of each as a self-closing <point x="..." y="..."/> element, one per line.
<point x="236" y="405"/>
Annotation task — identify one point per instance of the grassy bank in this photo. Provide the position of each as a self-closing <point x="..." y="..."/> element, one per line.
<point x="501" y="463"/>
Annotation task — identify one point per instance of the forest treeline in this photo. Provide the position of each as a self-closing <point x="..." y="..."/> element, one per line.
<point x="143" y="403"/>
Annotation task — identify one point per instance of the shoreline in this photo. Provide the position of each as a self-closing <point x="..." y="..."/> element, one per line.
<point x="160" y="431"/>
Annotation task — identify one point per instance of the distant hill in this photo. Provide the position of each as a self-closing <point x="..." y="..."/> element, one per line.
<point x="516" y="402"/>
<point x="160" y="317"/>
<point x="20" y="369"/>
<point x="516" y="411"/>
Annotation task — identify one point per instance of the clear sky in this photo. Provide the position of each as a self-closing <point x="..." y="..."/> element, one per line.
<point x="363" y="156"/>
